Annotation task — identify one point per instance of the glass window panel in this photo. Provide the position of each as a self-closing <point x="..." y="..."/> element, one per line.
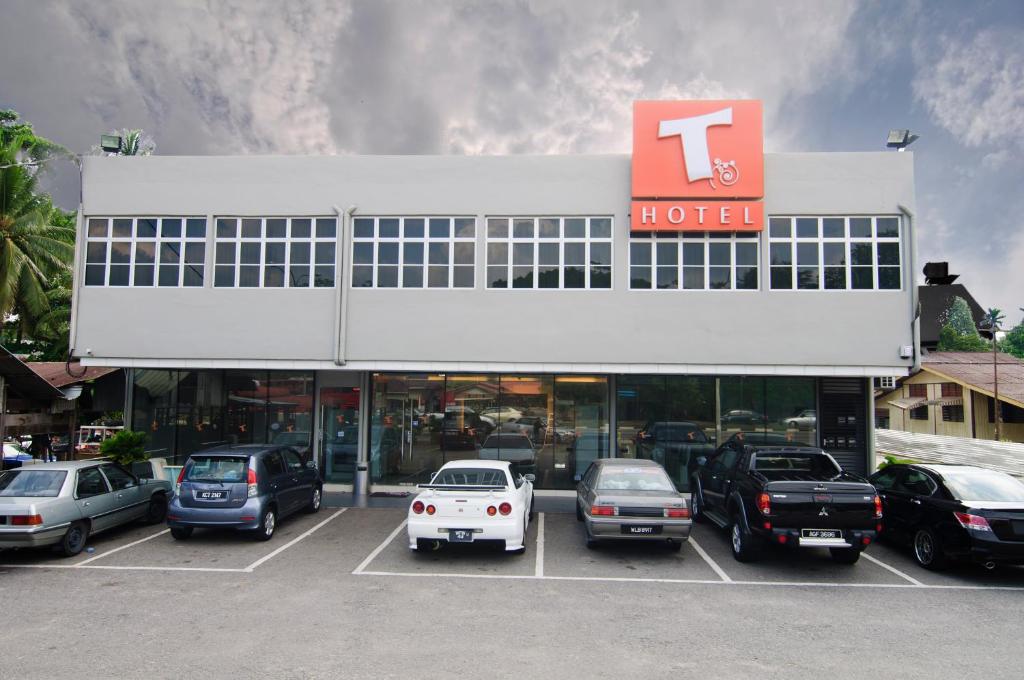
<point x="143" y="275"/>
<point x="437" y="277"/>
<point x="168" y="275"/>
<point x="363" y="227"/>
<point x="387" y="227"/>
<point x="600" y="227"/>
<point x="575" y="277"/>
<point x="223" y="276"/>
<point x="248" y="276"/>
<point x="640" y="277"/>
<point x="438" y="254"/>
<point x="549" y="227"/>
<point x="640" y="253"/>
<point x="97" y="252"/>
<point x="600" y="277"/>
<point x="718" y="253"/>
<point x="463" y="252"/>
<point x="668" y="277"/>
<point x="780" y="227"/>
<point x="98" y="228"/>
<point x="145" y="228"/>
<point x="412" y="253"/>
<point x="888" y="253"/>
<point x="414" y="227"/>
<point x="746" y="254"/>
<point x="323" y="277"/>
<point x="95" y="274"/>
<point x="522" y="253"/>
<point x="746" y="278"/>
<point x="807" y="278"/>
<point x="742" y="405"/>
<point x="387" y="277"/>
<point x="120" y="252"/>
<point x="362" y="253"/>
<point x="362" y="277"/>
<point x="835" y="278"/>
<point x="440" y="228"/>
<point x="170" y="228"/>
<point x="601" y="253"/>
<point x="465" y="227"/>
<point x="719" y="278"/>
<point x="497" y="227"/>
<point x="523" y="228"/>
<point x="575" y="253"/>
<point x="252" y="228"/>
<point x="170" y="252"/>
<point x="806" y="254"/>
<point x="462" y="277"/>
<point x="497" y="253"/>
<point x="807" y="227"/>
<point x="522" y="277"/>
<point x="889" y="278"/>
<point x="497" y="277"/>
<point x="302" y="227"/>
<point x="860" y="254"/>
<point x="833" y="227"/>
<point x="326" y="227"/>
<point x="782" y="278"/>
<point x="575" y="227"/>
<point x="547" y="253"/>
<point x="325" y="253"/>
<point x="547" y="276"/>
<point x="781" y="253"/>
<point x="693" y="278"/>
<point x="387" y="253"/>
<point x="298" y="276"/>
<point x="412" y="276"/>
<point x="860" y="227"/>
<point x="277" y="227"/>
<point x="693" y="254"/>
<point x="250" y="253"/>
<point x="273" y="253"/>
<point x="789" y="409"/>
<point x="668" y="253"/>
<point x="273" y="276"/>
<point x="227" y="228"/>
<point x="888" y="227"/>
<point x="863" y="278"/>
<point x="834" y="254"/>
<point x="225" y="253"/>
<point x="193" y="275"/>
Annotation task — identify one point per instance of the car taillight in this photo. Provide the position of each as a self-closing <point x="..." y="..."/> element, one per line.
<point x="975" y="522"/>
<point x="505" y="508"/>
<point x="181" y="475"/>
<point x="607" y="510"/>
<point x="431" y="509"/>
<point x="679" y="513"/>
<point x="417" y="507"/>
<point x="764" y="504"/>
<point x="253" y="490"/>
<point x="26" y="520"/>
<point x="492" y="511"/>
<point x="878" y="508"/>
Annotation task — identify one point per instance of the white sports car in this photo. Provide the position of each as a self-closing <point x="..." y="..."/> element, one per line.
<point x="471" y="501"/>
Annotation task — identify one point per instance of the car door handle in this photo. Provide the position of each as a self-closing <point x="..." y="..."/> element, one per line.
<point x="295" y="479"/>
<point x="915" y="501"/>
<point x="120" y="495"/>
<point x="85" y="504"/>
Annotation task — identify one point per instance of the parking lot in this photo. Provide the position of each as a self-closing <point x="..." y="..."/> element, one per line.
<point x="343" y="586"/>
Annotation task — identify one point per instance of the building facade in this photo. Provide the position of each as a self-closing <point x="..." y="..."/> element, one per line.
<point x="397" y="311"/>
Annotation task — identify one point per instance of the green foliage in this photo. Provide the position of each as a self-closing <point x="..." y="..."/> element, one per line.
<point x="959" y="317"/>
<point x="993" y="317"/>
<point x="1013" y="343"/>
<point x="893" y="460"/>
<point x="125" y="447"/>
<point x="952" y="341"/>
<point x="133" y="143"/>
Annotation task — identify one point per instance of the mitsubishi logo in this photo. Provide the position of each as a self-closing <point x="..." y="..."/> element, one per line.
<point x="693" y="136"/>
<point x="823" y="513"/>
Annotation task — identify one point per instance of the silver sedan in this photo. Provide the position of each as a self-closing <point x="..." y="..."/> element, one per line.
<point x="621" y="498"/>
<point x="62" y="504"/>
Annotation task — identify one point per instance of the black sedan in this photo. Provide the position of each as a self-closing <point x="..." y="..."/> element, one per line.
<point x="953" y="512"/>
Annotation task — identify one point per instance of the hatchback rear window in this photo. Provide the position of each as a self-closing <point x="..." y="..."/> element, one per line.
<point x="634" y="479"/>
<point x="32" y="483"/>
<point x="217" y="469"/>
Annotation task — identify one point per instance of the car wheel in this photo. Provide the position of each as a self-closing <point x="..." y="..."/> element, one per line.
<point x="927" y="551"/>
<point x="181" y="533"/>
<point x="157" y="509"/>
<point x="267" y="525"/>
<point x="745" y="548"/>
<point x="315" y="501"/>
<point x="696" y="511"/>
<point x="845" y="555"/>
<point x="74" y="539"/>
<point x="793" y="424"/>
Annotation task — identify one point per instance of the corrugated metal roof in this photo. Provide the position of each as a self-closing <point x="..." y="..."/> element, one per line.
<point x="936" y="448"/>
<point x="974" y="370"/>
<point x="23" y="382"/>
<point x="55" y="372"/>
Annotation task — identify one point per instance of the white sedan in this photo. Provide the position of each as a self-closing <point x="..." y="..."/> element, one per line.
<point x="470" y="501"/>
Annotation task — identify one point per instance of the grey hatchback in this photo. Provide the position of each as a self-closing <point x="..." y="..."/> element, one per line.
<point x="247" y="487"/>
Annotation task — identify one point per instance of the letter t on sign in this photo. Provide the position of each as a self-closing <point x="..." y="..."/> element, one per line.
<point x="693" y="136"/>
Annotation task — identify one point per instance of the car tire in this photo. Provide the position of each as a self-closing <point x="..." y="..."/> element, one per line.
<point x="268" y="524"/>
<point x="579" y="513"/>
<point x="696" y="510"/>
<point x="590" y="540"/>
<point x="533" y="512"/>
<point x="927" y="551"/>
<point x="181" y="533"/>
<point x="316" y="501"/>
<point x="675" y="546"/>
<point x="845" y="555"/>
<point x="745" y="547"/>
<point x="793" y="424"/>
<point x="157" y="509"/>
<point x="74" y="539"/>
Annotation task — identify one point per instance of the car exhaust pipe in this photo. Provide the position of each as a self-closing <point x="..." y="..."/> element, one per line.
<point x="990" y="565"/>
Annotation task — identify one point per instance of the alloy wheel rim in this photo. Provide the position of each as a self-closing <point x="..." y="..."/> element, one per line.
<point x="923" y="548"/>
<point x="268" y="524"/>
<point x="76" y="537"/>
<point x="737" y="539"/>
<point x="316" y="498"/>
<point x="694" y="504"/>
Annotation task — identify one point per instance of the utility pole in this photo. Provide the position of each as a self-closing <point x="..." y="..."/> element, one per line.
<point x="993" y="317"/>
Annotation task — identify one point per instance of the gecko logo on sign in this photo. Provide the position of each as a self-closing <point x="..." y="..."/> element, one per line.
<point x="685" y="152"/>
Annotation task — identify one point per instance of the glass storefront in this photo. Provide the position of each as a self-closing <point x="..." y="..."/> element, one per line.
<point x="339" y="427"/>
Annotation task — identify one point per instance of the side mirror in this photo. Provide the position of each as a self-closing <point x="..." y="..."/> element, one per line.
<point x="530" y="478"/>
<point x="702" y="461"/>
<point x="310" y="465"/>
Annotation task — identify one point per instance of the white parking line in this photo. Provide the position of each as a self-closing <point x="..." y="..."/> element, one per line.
<point x="292" y="542"/>
<point x="539" y="569"/>
<point x="894" y="570"/>
<point x="113" y="567"/>
<point x="120" y="548"/>
<point x="380" y="548"/>
<point x="711" y="563"/>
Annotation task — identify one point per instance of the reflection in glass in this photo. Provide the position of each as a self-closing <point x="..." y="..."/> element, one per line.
<point x="339" y="425"/>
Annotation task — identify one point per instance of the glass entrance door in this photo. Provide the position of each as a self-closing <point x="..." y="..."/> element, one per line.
<point x="339" y="433"/>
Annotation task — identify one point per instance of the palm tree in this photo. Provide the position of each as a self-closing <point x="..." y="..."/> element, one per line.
<point x="32" y="249"/>
<point x="993" y="317"/>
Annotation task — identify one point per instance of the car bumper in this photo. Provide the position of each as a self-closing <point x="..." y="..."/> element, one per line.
<point x="33" y="538"/>
<point x="508" y="530"/>
<point x="1005" y="552"/>
<point x="851" y="538"/>
<point x="612" y="527"/>
<point x="244" y="517"/>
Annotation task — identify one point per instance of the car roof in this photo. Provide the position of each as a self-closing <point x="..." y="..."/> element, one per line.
<point x="64" y="465"/>
<point x="237" y="449"/>
<point x="626" y="462"/>
<point x="476" y="463"/>
<point x="674" y="423"/>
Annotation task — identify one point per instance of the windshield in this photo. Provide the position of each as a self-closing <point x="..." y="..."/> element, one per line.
<point x="634" y="479"/>
<point x="504" y="441"/>
<point x="471" y="477"/>
<point x="217" y="469"/>
<point x="817" y="464"/>
<point x="32" y="483"/>
<point x="679" y="433"/>
<point x="983" y="485"/>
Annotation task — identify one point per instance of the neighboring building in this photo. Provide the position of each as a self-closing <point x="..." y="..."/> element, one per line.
<point x="953" y="395"/>
<point x="936" y="297"/>
<point x="384" y="310"/>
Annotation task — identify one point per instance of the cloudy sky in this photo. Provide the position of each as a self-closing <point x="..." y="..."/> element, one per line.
<point x="517" y="77"/>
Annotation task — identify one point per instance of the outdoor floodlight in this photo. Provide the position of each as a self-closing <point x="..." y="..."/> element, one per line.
<point x="900" y="139"/>
<point x="110" y="143"/>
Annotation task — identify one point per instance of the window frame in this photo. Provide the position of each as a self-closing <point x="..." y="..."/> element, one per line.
<point x="706" y="238"/>
<point x="848" y="241"/>
<point x="401" y="240"/>
<point x="510" y="240"/>
<point x="157" y="240"/>
<point x="288" y="240"/>
<point x="78" y="479"/>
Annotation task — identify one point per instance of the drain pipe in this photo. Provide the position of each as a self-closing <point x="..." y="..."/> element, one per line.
<point x="341" y="289"/>
<point x="915" y="304"/>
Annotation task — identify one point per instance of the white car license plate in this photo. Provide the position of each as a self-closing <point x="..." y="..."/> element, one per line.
<point x="460" y="536"/>
<point x="211" y="495"/>
<point x="821" y="533"/>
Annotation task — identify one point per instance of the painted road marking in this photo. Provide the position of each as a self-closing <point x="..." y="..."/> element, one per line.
<point x="894" y="570"/>
<point x="111" y="567"/>
<point x="123" y="547"/>
<point x="539" y="569"/>
<point x="380" y="548"/>
<point x="711" y="563"/>
<point x="292" y="542"/>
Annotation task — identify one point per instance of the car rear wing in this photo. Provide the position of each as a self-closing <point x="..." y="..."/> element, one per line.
<point x="463" y="487"/>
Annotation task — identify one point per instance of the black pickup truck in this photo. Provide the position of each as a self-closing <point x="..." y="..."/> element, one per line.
<point x="790" y="494"/>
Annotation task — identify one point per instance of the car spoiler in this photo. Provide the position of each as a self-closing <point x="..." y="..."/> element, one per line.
<point x="463" y="487"/>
